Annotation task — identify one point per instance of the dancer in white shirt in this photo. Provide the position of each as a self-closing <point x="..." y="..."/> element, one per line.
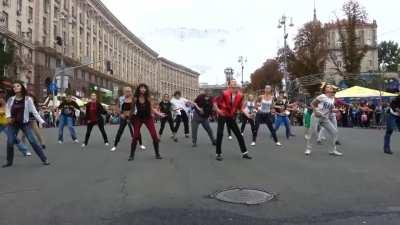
<point x="180" y="106"/>
<point x="323" y="106"/>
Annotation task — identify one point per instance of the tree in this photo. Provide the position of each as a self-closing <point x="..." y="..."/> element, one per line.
<point x="310" y="54"/>
<point x="389" y="52"/>
<point x="7" y="55"/>
<point x="352" y="48"/>
<point x="269" y="73"/>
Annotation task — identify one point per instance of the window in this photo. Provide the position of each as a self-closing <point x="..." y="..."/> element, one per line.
<point x="29" y="34"/>
<point x="46" y="6"/>
<point x="4" y="20"/>
<point x="19" y="28"/>
<point x="30" y="14"/>
<point x="66" y="4"/>
<point x="19" y="7"/>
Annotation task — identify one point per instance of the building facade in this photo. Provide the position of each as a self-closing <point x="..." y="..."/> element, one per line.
<point x="89" y="33"/>
<point x="367" y="36"/>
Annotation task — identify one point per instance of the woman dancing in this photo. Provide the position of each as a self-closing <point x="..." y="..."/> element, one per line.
<point x="17" y="112"/>
<point x="251" y="109"/>
<point x="264" y="115"/>
<point x="323" y="106"/>
<point x="94" y="112"/>
<point x="143" y="111"/>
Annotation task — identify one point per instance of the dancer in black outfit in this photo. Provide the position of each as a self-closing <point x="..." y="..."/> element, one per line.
<point x="143" y="111"/>
<point x="94" y="112"/>
<point x="166" y="108"/>
<point x="124" y="107"/>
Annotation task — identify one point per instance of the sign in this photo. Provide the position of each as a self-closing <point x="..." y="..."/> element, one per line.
<point x="53" y="87"/>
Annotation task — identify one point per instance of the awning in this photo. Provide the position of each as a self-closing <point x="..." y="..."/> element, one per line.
<point x="362" y="92"/>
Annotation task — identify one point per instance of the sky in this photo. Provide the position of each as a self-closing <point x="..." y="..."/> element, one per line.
<point x="210" y="35"/>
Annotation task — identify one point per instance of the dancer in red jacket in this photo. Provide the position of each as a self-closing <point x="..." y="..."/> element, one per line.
<point x="227" y="105"/>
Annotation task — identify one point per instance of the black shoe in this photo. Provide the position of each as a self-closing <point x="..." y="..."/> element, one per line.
<point x="176" y="139"/>
<point x="187" y="135"/>
<point x="43" y="146"/>
<point x="7" y="165"/>
<point x="388" y="152"/>
<point x="131" y="158"/>
<point x="158" y="157"/>
<point x="46" y="163"/>
<point x="319" y="142"/>
<point x="214" y="143"/>
<point x="338" y="143"/>
<point x="219" y="158"/>
<point x="194" y="145"/>
<point x="246" y="156"/>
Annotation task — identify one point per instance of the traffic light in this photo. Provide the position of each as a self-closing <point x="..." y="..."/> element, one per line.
<point x="59" y="41"/>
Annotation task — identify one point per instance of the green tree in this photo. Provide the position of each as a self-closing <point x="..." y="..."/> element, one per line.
<point x="389" y="52"/>
<point x="7" y="50"/>
<point x="310" y="54"/>
<point x="352" y="48"/>
<point x="269" y="74"/>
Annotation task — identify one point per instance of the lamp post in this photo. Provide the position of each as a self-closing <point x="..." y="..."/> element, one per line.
<point x="283" y="23"/>
<point x="228" y="74"/>
<point x="242" y="60"/>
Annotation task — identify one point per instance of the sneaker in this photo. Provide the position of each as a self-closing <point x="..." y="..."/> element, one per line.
<point x="107" y="144"/>
<point x="60" y="142"/>
<point x="143" y="147"/>
<point x="319" y="142"/>
<point x="43" y="146"/>
<point x="246" y="156"/>
<point x="338" y="143"/>
<point x="187" y="135"/>
<point x="388" y="152"/>
<point x="83" y="145"/>
<point x="158" y="157"/>
<point x="194" y="145"/>
<point x="175" y="139"/>
<point x="28" y="154"/>
<point x="113" y="149"/>
<point x="336" y="153"/>
<point x="230" y="138"/>
<point x="278" y="144"/>
<point x="253" y="143"/>
<point x="219" y="158"/>
<point x="76" y="141"/>
<point x="242" y="134"/>
<point x="307" y="152"/>
<point x="46" y="163"/>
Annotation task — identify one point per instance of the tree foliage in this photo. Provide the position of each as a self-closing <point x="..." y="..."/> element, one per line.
<point x="351" y="47"/>
<point x="269" y="73"/>
<point x="389" y="52"/>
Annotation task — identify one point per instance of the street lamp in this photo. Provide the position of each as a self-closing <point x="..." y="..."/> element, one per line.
<point x="228" y="74"/>
<point x="283" y="23"/>
<point x="242" y="60"/>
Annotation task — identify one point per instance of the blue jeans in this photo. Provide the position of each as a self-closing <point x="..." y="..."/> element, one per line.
<point x="66" y="120"/>
<point x="393" y="122"/>
<point x="21" y="146"/>
<point x="12" y="137"/>
<point x="285" y="120"/>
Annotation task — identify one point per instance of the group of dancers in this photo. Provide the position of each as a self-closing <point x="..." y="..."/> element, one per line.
<point x="137" y="108"/>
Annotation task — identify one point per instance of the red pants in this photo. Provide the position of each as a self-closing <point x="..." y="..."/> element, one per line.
<point x="149" y="122"/>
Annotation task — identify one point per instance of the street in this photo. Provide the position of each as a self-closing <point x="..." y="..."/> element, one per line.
<point x="96" y="186"/>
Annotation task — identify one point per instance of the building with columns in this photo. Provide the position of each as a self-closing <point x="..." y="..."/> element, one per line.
<point x="90" y="33"/>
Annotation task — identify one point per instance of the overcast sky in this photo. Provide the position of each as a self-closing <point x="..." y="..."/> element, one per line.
<point x="209" y="35"/>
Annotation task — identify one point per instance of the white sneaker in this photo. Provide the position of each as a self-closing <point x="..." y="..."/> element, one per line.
<point x="230" y="138"/>
<point x="336" y="153"/>
<point x="143" y="147"/>
<point x="107" y="144"/>
<point x="60" y="142"/>
<point x="307" y="152"/>
<point x="242" y="134"/>
<point x="28" y="153"/>
<point x="76" y="141"/>
<point x="113" y="149"/>
<point x="83" y="145"/>
<point x="253" y="143"/>
<point x="278" y="144"/>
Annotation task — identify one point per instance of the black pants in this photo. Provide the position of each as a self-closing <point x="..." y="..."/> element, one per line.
<point x="170" y="122"/>
<point x="89" y="129"/>
<point x="122" y="125"/>
<point x="182" y="118"/>
<point x="230" y="123"/>
<point x="252" y="123"/>
<point x="265" y="118"/>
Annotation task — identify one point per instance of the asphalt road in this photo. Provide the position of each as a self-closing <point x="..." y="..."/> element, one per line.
<point x="98" y="187"/>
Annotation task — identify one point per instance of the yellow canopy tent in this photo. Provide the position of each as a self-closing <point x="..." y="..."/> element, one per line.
<point x="362" y="92"/>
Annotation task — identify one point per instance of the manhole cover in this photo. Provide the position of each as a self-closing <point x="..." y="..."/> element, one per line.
<point x="243" y="196"/>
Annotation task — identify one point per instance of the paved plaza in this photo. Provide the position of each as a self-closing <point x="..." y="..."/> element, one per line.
<point x="98" y="187"/>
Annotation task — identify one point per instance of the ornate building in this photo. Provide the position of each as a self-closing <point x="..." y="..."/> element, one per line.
<point x="89" y="32"/>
